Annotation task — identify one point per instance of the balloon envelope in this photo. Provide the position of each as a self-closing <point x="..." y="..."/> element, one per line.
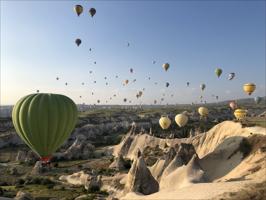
<point x="44" y="121"/>
<point x="202" y="87"/>
<point x="181" y="120"/>
<point x="240" y="114"/>
<point x="257" y="100"/>
<point x="92" y="12"/>
<point x="233" y="105"/>
<point x="231" y="76"/>
<point x="249" y="88"/>
<point x="218" y="72"/>
<point x="78" y="9"/>
<point x="203" y="111"/>
<point x="164" y="122"/>
<point x="166" y="66"/>
<point x="78" y="41"/>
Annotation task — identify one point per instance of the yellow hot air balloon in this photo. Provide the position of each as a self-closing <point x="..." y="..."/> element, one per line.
<point x="240" y="114"/>
<point x="164" y="122"/>
<point x="203" y="111"/>
<point x="78" y="9"/>
<point x="181" y="120"/>
<point x="249" y="88"/>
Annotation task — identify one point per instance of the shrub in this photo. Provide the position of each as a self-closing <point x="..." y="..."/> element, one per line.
<point x="127" y="164"/>
<point x="93" y="189"/>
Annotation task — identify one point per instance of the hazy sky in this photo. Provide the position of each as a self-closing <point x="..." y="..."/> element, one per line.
<point x="195" y="37"/>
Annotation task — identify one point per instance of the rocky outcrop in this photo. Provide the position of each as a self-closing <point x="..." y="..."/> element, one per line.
<point x="9" y="138"/>
<point x="40" y="168"/>
<point x="140" y="179"/>
<point x="23" y="196"/>
<point x="80" y="149"/>
<point x="184" y="176"/>
<point x="26" y="157"/>
<point x="183" y="156"/>
<point x="118" y="163"/>
<point x="158" y="168"/>
<point x="79" y="178"/>
<point x="93" y="183"/>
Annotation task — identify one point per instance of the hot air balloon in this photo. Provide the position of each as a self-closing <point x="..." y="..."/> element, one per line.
<point x="257" y="100"/>
<point x="78" y="9"/>
<point x="57" y="78"/>
<point x="89" y="49"/>
<point x="149" y="78"/>
<point x="164" y="122"/>
<point x="203" y="111"/>
<point x="166" y="66"/>
<point x="78" y="41"/>
<point x="187" y="84"/>
<point x="126" y="82"/>
<point x="240" y="114"/>
<point x="36" y="118"/>
<point x="233" y="105"/>
<point x="218" y="72"/>
<point x="202" y="87"/>
<point x="167" y="84"/>
<point x="80" y="96"/>
<point x="181" y="120"/>
<point x="98" y="101"/>
<point x="92" y="12"/>
<point x="37" y="91"/>
<point x="231" y="76"/>
<point x="249" y="88"/>
<point x="65" y="83"/>
<point x="95" y="62"/>
<point x="131" y="70"/>
<point x="125" y="100"/>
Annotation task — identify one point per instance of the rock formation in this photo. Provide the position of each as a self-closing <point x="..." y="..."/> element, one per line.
<point x="80" y="149"/>
<point x="27" y="157"/>
<point x="23" y="196"/>
<point x="139" y="179"/>
<point x="118" y="163"/>
<point x="184" y="176"/>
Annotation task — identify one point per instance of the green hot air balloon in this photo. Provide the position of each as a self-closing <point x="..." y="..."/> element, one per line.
<point x="218" y="72"/>
<point x="44" y="121"/>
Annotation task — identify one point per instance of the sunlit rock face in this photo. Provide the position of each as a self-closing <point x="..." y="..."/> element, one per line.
<point x="140" y="179"/>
